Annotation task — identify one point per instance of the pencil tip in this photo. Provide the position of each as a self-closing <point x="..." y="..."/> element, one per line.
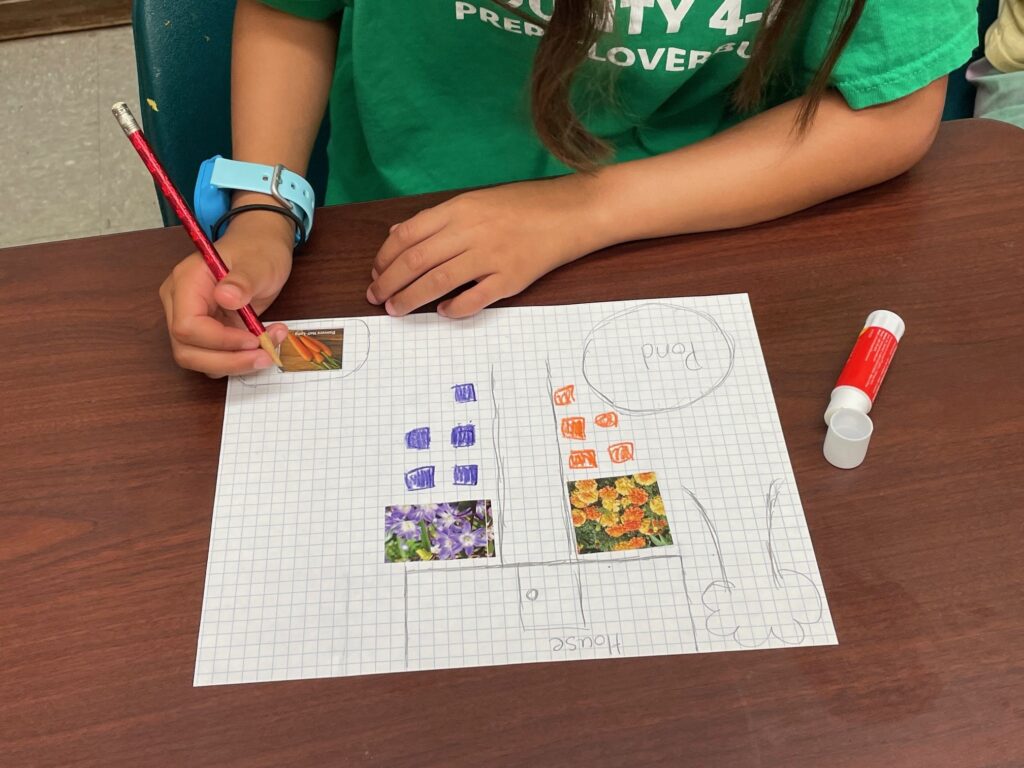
<point x="270" y="349"/>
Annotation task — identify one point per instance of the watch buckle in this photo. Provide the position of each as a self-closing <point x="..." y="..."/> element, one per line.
<point x="275" y="184"/>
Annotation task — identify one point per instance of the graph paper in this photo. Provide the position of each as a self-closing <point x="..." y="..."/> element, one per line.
<point x="536" y="484"/>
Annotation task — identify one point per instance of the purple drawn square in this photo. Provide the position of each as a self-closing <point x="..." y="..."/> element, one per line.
<point x="465" y="393"/>
<point x="418" y="439"/>
<point x="465" y="474"/>
<point x="419" y="478"/>
<point x="463" y="435"/>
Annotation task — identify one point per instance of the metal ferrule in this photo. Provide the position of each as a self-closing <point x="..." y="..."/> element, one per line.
<point x="125" y="118"/>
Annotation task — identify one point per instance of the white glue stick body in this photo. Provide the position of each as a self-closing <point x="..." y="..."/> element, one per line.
<point x="862" y="375"/>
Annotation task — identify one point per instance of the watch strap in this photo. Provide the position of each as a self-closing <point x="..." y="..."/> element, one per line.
<point x="287" y="187"/>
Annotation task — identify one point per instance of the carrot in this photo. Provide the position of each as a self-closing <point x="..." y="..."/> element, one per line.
<point x="300" y="347"/>
<point x="323" y="347"/>
<point x="320" y="352"/>
<point x="307" y="341"/>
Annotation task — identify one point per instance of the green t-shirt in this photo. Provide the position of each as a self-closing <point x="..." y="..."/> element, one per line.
<point x="433" y="94"/>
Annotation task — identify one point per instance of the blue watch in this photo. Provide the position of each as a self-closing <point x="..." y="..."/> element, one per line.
<point x="218" y="176"/>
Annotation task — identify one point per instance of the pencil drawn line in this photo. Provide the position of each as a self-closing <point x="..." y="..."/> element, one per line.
<point x="551" y="627"/>
<point x="499" y="468"/>
<point x="712" y="531"/>
<point x="519" y="595"/>
<point x="453" y="566"/>
<point x="433" y="571"/>
<point x="689" y="608"/>
<point x="522" y="591"/>
<point x="738" y="612"/>
<point x="729" y="341"/>
<point x="579" y="593"/>
<point x="566" y="512"/>
<point x="771" y="500"/>
<point x="314" y="379"/>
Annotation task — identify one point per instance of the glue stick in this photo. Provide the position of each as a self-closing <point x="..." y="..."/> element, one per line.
<point x="849" y="426"/>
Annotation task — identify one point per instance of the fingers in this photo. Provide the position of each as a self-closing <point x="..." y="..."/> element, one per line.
<point x="191" y="324"/>
<point x="206" y="343"/>
<point x="225" y="362"/>
<point x="412" y="264"/>
<point x="407" y="234"/>
<point x="489" y="290"/>
<point x="218" y="364"/>
<point x="436" y="283"/>
<point x="221" y="334"/>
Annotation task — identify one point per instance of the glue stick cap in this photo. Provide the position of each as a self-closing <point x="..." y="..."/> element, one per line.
<point x="846" y="442"/>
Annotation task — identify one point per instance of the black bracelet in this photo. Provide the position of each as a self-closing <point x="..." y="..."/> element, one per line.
<point x="223" y="220"/>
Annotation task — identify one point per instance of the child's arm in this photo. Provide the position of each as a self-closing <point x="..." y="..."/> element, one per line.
<point x="281" y="71"/>
<point x="760" y="169"/>
<point x="506" y="237"/>
<point x="281" y="74"/>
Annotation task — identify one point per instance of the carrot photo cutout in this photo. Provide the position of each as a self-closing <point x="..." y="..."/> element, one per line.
<point x="318" y="350"/>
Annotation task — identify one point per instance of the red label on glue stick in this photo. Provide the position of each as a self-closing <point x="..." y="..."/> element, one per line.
<point x="866" y="367"/>
<point x="869" y="361"/>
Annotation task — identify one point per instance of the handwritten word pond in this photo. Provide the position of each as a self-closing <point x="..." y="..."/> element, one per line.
<point x="533" y="484"/>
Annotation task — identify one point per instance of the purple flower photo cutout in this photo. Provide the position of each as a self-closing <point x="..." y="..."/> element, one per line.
<point x="458" y="530"/>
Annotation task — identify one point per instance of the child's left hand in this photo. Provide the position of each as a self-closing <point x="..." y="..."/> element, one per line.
<point x="502" y="238"/>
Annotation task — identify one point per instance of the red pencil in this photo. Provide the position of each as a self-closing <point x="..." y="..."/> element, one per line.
<point x="213" y="260"/>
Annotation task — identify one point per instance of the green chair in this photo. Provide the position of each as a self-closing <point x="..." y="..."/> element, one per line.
<point x="183" y="55"/>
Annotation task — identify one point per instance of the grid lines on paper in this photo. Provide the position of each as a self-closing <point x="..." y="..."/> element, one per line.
<point x="297" y="585"/>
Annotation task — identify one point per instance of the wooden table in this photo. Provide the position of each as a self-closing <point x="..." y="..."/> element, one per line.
<point x="110" y="457"/>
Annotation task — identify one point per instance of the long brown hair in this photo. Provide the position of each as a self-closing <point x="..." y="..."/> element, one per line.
<point x="575" y="26"/>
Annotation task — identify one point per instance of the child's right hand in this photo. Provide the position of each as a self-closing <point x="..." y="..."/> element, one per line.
<point x="207" y="335"/>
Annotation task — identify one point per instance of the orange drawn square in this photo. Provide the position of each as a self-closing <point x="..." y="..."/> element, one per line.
<point x="586" y="459"/>
<point x="620" y="453"/>
<point x="574" y="427"/>
<point x="606" y="420"/>
<point x="565" y="395"/>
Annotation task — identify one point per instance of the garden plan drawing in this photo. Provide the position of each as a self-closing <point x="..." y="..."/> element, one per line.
<point x="533" y="484"/>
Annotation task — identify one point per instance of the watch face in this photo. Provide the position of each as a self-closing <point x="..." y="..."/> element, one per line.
<point x="209" y="202"/>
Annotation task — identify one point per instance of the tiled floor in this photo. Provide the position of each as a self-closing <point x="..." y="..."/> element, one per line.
<point x="68" y="170"/>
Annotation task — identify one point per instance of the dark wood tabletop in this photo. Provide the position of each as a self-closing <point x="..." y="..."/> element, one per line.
<point x="110" y="459"/>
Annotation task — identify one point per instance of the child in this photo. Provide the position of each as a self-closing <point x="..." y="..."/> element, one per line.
<point x="600" y="121"/>
<point x="999" y="75"/>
